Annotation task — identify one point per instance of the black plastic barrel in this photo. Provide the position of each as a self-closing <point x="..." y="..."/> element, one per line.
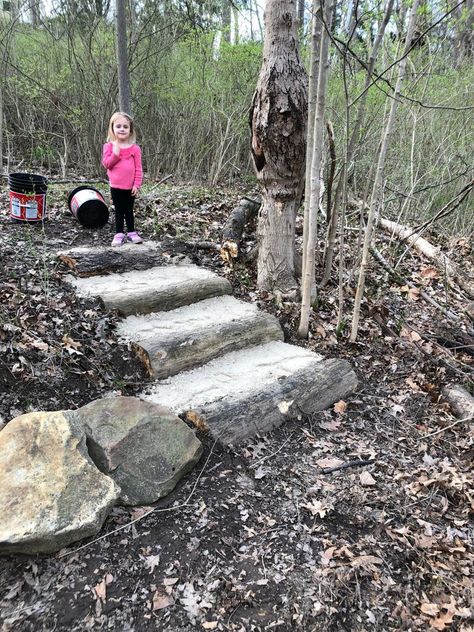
<point x="27" y="196"/>
<point x="88" y="207"/>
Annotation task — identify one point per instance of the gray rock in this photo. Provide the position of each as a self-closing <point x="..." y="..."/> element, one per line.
<point x="143" y="446"/>
<point x="51" y="494"/>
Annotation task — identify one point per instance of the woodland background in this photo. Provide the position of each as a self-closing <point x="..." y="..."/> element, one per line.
<point x="259" y="536"/>
<point x="193" y="68"/>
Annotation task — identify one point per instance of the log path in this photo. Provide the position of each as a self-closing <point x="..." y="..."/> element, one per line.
<point x="218" y="362"/>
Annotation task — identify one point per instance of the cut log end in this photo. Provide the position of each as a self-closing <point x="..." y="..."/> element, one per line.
<point x="144" y="358"/>
<point x="197" y="420"/>
<point x="229" y="251"/>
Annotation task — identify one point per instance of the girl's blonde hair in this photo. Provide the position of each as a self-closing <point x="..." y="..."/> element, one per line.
<point x="111" y="135"/>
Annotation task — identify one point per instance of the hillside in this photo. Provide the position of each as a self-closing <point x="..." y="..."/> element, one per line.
<point x="354" y="519"/>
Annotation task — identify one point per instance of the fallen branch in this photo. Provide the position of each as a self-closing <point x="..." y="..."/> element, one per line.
<point x="406" y="234"/>
<point x="402" y="281"/>
<point x="345" y="466"/>
<point x="234" y="227"/>
<point x="455" y="423"/>
<point x="159" y="182"/>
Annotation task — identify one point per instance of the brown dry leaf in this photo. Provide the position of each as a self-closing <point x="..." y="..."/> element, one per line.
<point x="40" y="345"/>
<point x="429" y="273"/>
<point x="210" y="625"/>
<point x="444" y="619"/>
<point x="329" y="461"/>
<point x="69" y="342"/>
<point x="367" y="480"/>
<point x="340" y="406"/>
<point x="326" y="555"/>
<point x="322" y="333"/>
<point x="413" y="294"/>
<point x="412" y="384"/>
<point x="425" y="542"/>
<point x="429" y="608"/>
<point x="139" y="512"/>
<point x="151" y="561"/>
<point x="101" y="590"/>
<point x="366" y="561"/>
<point x="415" y="336"/>
<point x="316" y="507"/>
<point x="162" y="600"/>
<point x="71" y="345"/>
<point x="330" y="425"/>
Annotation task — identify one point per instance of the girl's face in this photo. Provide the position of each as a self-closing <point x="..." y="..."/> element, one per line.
<point x="121" y="128"/>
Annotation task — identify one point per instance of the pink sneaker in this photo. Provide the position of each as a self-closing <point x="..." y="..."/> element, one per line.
<point x="118" y="239"/>
<point x="134" y="238"/>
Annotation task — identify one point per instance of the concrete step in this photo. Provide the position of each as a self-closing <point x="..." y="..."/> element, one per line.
<point x="254" y="390"/>
<point x="160" y="288"/>
<point x="170" y="342"/>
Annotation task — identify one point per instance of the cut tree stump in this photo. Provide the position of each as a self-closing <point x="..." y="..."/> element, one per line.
<point x="254" y="390"/>
<point x="178" y="340"/>
<point x="157" y="289"/>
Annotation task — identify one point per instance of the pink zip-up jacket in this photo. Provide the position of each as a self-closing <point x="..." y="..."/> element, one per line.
<point x="125" y="170"/>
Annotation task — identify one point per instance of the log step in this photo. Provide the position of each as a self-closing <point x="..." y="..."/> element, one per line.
<point x="87" y="261"/>
<point x="254" y="390"/>
<point x="160" y="288"/>
<point x="177" y="340"/>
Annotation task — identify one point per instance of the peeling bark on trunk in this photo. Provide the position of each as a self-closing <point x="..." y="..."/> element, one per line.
<point x="278" y="124"/>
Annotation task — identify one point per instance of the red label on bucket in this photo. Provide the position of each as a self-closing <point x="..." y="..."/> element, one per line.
<point x="84" y="196"/>
<point x="28" y="208"/>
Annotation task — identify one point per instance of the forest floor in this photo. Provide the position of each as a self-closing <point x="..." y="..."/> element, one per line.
<point x="257" y="537"/>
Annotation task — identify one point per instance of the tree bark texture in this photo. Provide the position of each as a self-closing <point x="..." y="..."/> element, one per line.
<point x="85" y="261"/>
<point x="125" y="100"/>
<point x="311" y="222"/>
<point x="278" y="124"/>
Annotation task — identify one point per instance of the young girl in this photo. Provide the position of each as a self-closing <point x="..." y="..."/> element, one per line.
<point x="122" y="158"/>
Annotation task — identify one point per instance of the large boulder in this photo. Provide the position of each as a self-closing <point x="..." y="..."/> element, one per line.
<point x="51" y="494"/>
<point x="144" y="447"/>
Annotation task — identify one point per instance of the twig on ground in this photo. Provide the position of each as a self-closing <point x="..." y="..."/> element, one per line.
<point x="455" y="423"/>
<point x="402" y="281"/>
<point x="153" y="188"/>
<point x="344" y="466"/>
<point x="269" y="456"/>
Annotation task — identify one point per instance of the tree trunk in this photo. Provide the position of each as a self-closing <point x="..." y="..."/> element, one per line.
<point x="278" y="124"/>
<point x="35" y="13"/>
<point x="378" y="182"/>
<point x="312" y="90"/>
<point x="464" y="38"/>
<point x="125" y="101"/>
<point x="354" y="138"/>
<point x="318" y="138"/>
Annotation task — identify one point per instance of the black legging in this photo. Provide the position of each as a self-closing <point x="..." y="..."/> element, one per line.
<point x="123" y="201"/>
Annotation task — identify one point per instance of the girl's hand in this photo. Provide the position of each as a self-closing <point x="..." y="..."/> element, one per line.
<point x="134" y="191"/>
<point x="116" y="147"/>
